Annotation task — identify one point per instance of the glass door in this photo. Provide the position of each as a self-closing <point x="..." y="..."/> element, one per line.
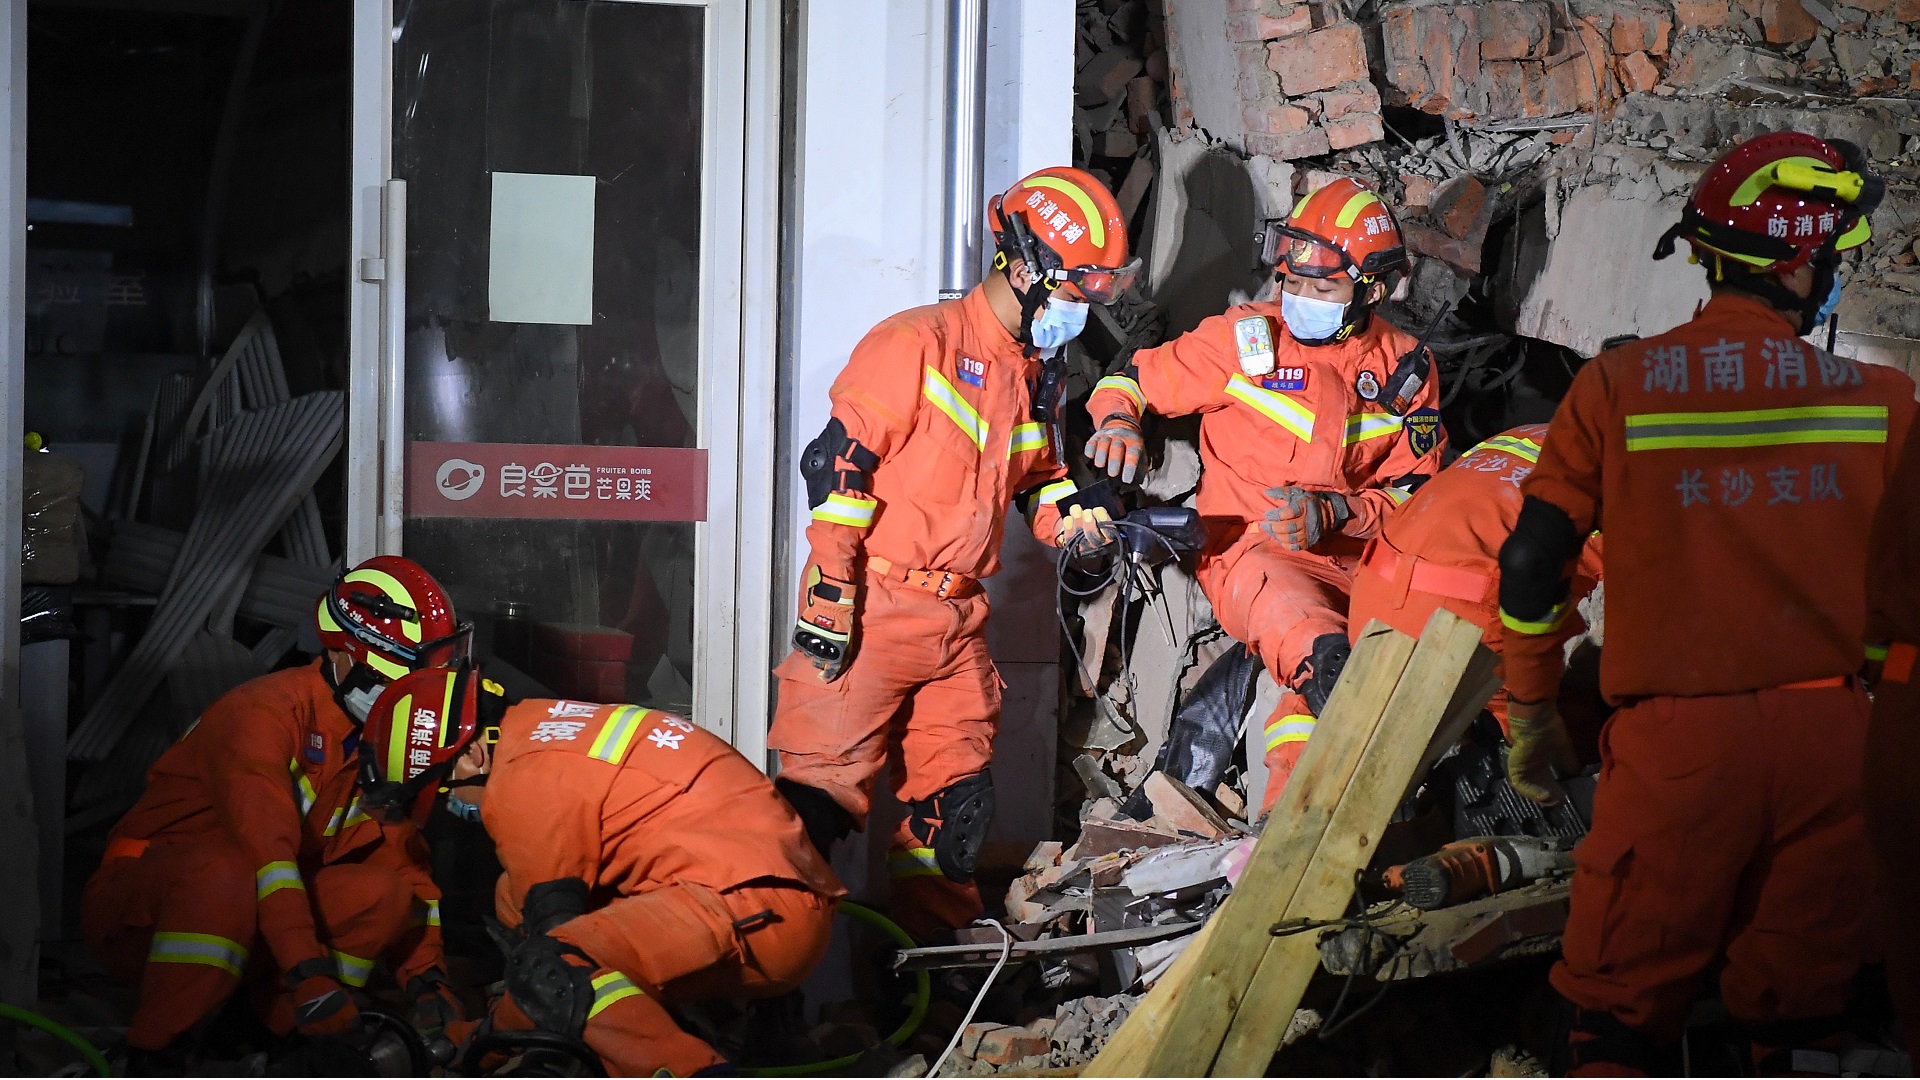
<point x="557" y="317"/>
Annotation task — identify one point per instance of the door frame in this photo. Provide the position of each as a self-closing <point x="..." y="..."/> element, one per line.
<point x="739" y="272"/>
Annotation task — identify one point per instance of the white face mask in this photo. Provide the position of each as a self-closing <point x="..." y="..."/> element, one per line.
<point x="1058" y="323"/>
<point x="1310" y="319"/>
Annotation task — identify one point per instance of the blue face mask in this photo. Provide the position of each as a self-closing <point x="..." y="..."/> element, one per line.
<point x="1827" y="306"/>
<point x="1059" y="322"/>
<point x="1310" y="319"/>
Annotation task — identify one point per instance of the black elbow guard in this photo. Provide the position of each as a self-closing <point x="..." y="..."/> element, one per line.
<point x="835" y="461"/>
<point x="1533" y="567"/>
<point x="551" y="903"/>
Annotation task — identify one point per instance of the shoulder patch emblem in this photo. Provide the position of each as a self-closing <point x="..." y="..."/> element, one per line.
<point x="1423" y="431"/>
<point x="1253" y="340"/>
<point x="1367" y="385"/>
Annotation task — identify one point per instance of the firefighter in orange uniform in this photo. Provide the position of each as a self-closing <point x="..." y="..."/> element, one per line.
<point x="647" y="862"/>
<point x="1317" y="420"/>
<point x="1737" y="470"/>
<point x="1442" y="550"/>
<point x="1893" y="733"/>
<point x="250" y="861"/>
<point x="942" y="416"/>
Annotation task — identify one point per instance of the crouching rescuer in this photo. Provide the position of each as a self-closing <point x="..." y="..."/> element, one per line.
<point x="1316" y="420"/>
<point x="1737" y="470"/>
<point x="647" y="863"/>
<point x="943" y="416"/>
<point x="251" y="862"/>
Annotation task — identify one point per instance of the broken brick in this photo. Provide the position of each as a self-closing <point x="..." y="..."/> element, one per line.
<point x="1703" y="14"/>
<point x="1321" y="60"/>
<point x="1457" y="203"/>
<point x="1640" y="31"/>
<point x="1279" y="120"/>
<point x="1637" y="72"/>
<point x="1419" y="191"/>
<point x="1421" y="58"/>
<point x="1006" y="1045"/>
<point x="1906" y="11"/>
<point x="1913" y="75"/>
<point x="1142" y="95"/>
<point x="1786" y="21"/>
<point x="1254" y="26"/>
<point x="1513" y="30"/>
<point x="1178" y="805"/>
<point x="1309" y="143"/>
<point x="1117" y="142"/>
<point x="1335" y="104"/>
<point x="1105" y="77"/>
<point x="1355" y="130"/>
<point x="969" y="1045"/>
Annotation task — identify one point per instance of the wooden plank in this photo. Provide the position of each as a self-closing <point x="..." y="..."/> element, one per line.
<point x="1477" y="687"/>
<point x="1429" y="692"/>
<point x="1225" y="961"/>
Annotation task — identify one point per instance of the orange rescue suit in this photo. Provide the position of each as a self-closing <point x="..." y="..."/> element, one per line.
<point x="1893" y="735"/>
<point x="702" y="882"/>
<point x="1735" y="470"/>
<point x="1442" y="550"/>
<point x="1307" y="425"/>
<point x="941" y="396"/>
<point x="250" y="833"/>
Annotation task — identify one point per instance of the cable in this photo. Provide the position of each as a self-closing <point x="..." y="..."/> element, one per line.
<point x="922" y="997"/>
<point x="1006" y="950"/>
<point x="58" y="1031"/>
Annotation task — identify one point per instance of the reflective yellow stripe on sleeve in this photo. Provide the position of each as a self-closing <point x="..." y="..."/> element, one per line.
<point x="944" y="397"/>
<point x="1398" y="495"/>
<point x="1127" y="386"/>
<point x="1276" y="407"/>
<point x="616" y="735"/>
<point x="1027" y="437"/>
<point x="1371" y="426"/>
<point x="354" y="971"/>
<point x="1546" y="626"/>
<point x="1758" y="427"/>
<point x="211" y="950"/>
<point x="610" y="988"/>
<point x="855" y="511"/>
<point x="1876" y="653"/>
<point x="913" y="862"/>
<point x="1054" y="492"/>
<point x="425" y="913"/>
<point x="1289" y="729"/>
<point x="275" y="876"/>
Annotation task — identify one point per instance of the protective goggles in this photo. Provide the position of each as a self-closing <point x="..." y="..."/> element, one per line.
<point x="1303" y="254"/>
<point x="440" y="651"/>
<point x="1100" y="284"/>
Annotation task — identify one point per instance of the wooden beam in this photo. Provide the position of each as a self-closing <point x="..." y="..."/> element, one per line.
<point x="1445" y="679"/>
<point x="1197" y="1011"/>
<point x="1147" y="1023"/>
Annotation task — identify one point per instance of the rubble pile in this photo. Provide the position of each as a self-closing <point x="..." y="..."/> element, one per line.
<point x="1120" y="76"/>
<point x="1068" y="1039"/>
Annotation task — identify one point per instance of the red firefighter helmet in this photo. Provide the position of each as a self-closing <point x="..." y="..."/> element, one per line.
<point x="1066" y="225"/>
<point x="419" y="727"/>
<point x="1777" y="201"/>
<point x="1339" y="229"/>
<point x="390" y="615"/>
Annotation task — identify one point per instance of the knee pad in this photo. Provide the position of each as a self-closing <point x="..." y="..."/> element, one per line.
<point x="825" y="820"/>
<point x="1317" y="675"/>
<point x="954" y="824"/>
<point x="556" y="995"/>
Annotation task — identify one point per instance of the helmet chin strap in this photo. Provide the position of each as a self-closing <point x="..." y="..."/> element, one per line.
<point x="1770" y="288"/>
<point x="355" y="694"/>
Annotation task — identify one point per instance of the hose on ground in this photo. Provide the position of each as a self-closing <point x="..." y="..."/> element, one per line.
<point x="922" y="996"/>
<point x="58" y="1031"/>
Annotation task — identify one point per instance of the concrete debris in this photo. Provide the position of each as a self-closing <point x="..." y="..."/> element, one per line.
<point x="1066" y="1040"/>
<point x="1183" y="809"/>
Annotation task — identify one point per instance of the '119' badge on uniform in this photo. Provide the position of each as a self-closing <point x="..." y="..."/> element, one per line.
<point x="1254" y="340"/>
<point x="971" y="371"/>
<point x="1423" y="431"/>
<point x="1286" y="378"/>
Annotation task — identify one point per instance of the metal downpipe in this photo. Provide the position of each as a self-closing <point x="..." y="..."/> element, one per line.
<point x="966" y="140"/>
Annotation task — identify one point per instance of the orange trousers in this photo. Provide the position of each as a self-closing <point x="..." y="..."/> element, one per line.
<point x="921" y="699"/>
<point x="1727" y="832"/>
<point x="679" y="944"/>
<point x="1893" y="824"/>
<point x="1277" y="602"/>
<point x="179" y="921"/>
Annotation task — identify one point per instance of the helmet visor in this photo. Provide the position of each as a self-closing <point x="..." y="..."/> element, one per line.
<point x="1100" y="284"/>
<point x="1303" y="254"/>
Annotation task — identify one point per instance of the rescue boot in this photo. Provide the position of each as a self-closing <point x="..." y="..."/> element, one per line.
<point x="825" y="820"/>
<point x="1598" y="1044"/>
